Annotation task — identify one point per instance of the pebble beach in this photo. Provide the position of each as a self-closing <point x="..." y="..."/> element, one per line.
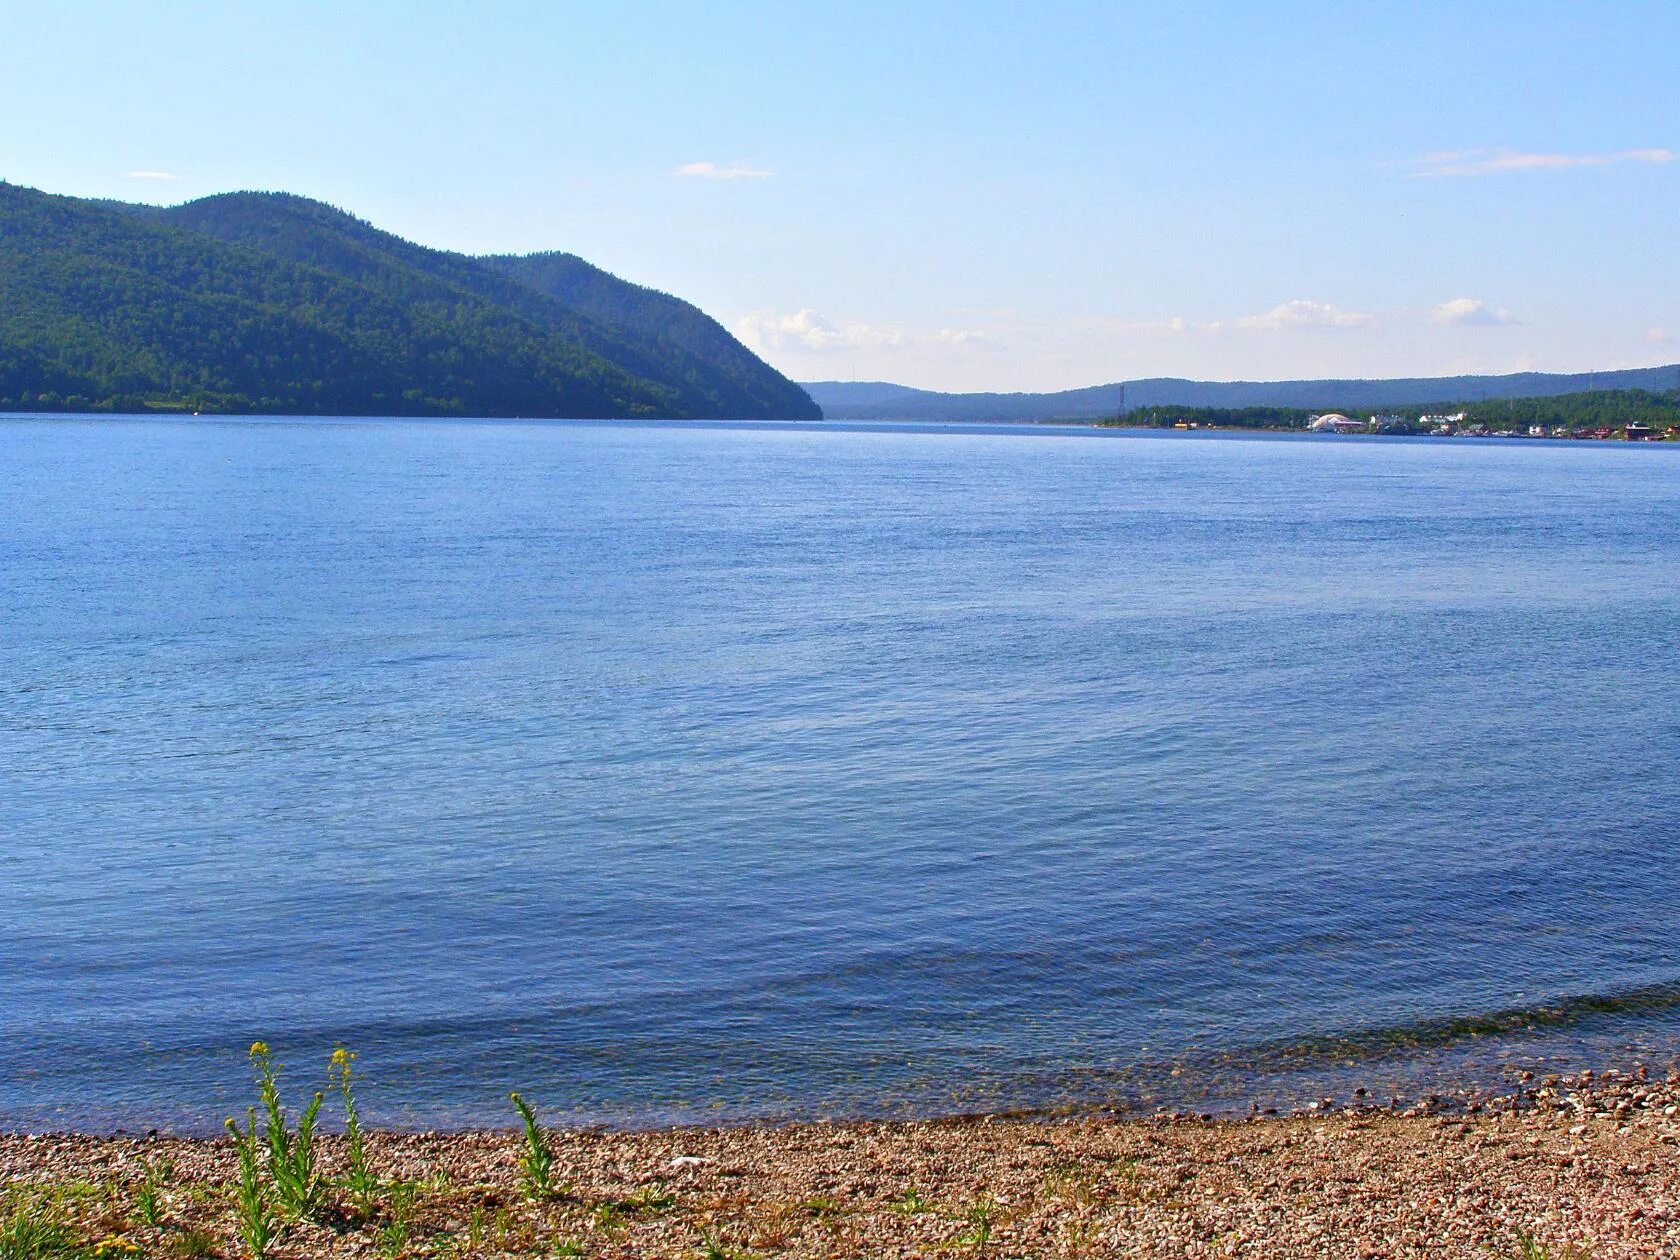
<point x="1566" y="1166"/>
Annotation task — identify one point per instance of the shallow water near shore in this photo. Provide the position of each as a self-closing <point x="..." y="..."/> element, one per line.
<point x="721" y="772"/>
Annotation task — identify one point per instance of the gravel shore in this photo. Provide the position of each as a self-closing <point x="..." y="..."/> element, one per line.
<point x="1574" y="1165"/>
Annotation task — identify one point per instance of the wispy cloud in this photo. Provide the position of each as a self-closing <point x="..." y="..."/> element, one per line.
<point x="1303" y="314"/>
<point x="151" y="175"/>
<point x="1510" y="161"/>
<point x="1299" y="315"/>
<point x="959" y="337"/>
<point x="1472" y="313"/>
<point x="1176" y="324"/>
<point x="807" y="330"/>
<point x="1307" y="317"/>
<point x="1659" y="336"/>
<point x="711" y="170"/>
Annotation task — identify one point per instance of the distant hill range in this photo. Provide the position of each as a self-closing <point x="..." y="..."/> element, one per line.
<point x="878" y="400"/>
<point x="268" y="302"/>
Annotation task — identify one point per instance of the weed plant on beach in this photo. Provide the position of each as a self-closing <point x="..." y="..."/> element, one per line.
<point x="1528" y="1247"/>
<point x="980" y="1220"/>
<point x="712" y="1248"/>
<point x="910" y="1203"/>
<point x="30" y="1232"/>
<point x="194" y="1244"/>
<point x="361" y="1186"/>
<point x="652" y="1197"/>
<point x="394" y="1234"/>
<point x="536" y="1161"/>
<point x="298" y="1185"/>
<point x="608" y="1216"/>
<point x="293" y="1185"/>
<point x="254" y="1217"/>
<point x="148" y="1192"/>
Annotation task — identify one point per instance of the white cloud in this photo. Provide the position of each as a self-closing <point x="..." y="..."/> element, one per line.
<point x="807" y="330"/>
<point x="1176" y="324"/>
<point x="959" y="337"/>
<point x="1472" y="312"/>
<point x="1659" y="336"/>
<point x="1507" y="161"/>
<point x="1305" y="316"/>
<point x="1301" y="313"/>
<point x="711" y="170"/>
<point x="151" y="175"/>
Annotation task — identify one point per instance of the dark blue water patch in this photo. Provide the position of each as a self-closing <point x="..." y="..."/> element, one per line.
<point x="681" y="772"/>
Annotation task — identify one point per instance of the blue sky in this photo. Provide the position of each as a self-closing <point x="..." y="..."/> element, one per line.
<point x="952" y="195"/>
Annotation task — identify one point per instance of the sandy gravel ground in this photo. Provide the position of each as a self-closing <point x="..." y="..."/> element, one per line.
<point x="1575" y="1166"/>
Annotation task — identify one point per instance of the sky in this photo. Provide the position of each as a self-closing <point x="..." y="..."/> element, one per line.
<point x="958" y="196"/>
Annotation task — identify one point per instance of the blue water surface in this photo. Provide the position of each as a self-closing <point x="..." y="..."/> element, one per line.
<point x="682" y="772"/>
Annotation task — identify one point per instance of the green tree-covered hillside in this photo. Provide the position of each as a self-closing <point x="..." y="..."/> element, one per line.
<point x="267" y="302"/>
<point x="682" y="331"/>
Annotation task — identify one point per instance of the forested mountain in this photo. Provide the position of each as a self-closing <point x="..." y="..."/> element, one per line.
<point x="878" y="400"/>
<point x="268" y="302"/>
<point x="680" y="329"/>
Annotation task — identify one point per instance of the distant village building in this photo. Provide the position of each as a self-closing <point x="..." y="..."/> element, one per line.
<point x="1335" y="422"/>
<point x="1442" y="425"/>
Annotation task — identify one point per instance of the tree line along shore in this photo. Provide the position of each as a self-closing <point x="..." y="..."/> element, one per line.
<point x="1622" y="414"/>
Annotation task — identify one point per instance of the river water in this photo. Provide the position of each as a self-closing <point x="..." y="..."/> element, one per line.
<point x="718" y="772"/>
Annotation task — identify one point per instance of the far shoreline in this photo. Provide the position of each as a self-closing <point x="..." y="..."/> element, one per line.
<point x="859" y="424"/>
